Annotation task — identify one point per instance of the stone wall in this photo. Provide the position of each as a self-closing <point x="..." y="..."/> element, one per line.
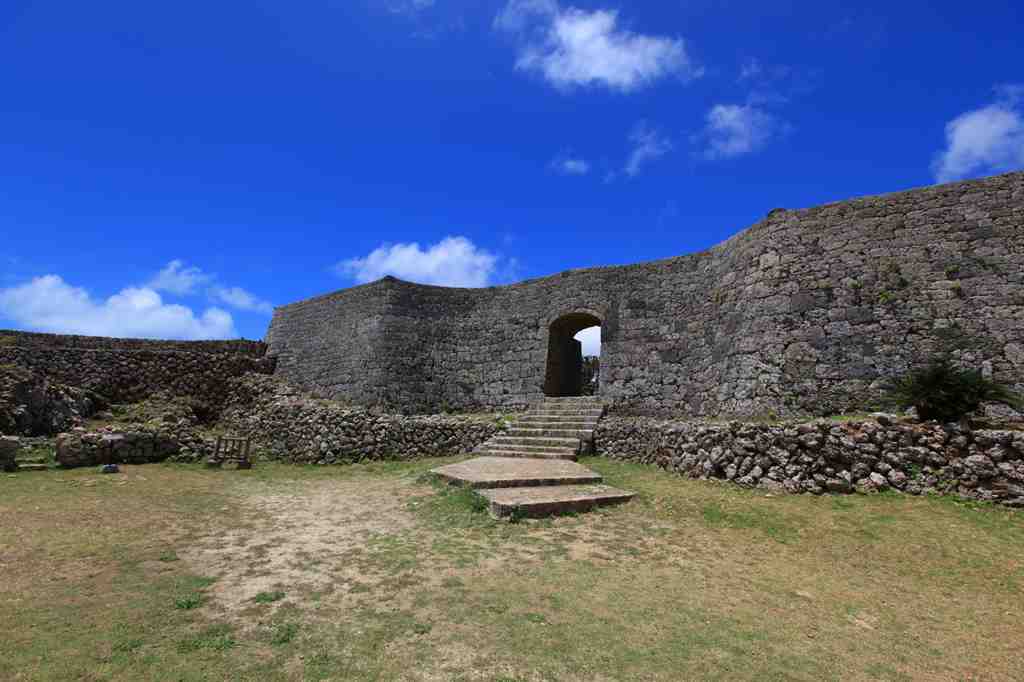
<point x="826" y="456"/>
<point x="88" y="448"/>
<point x="338" y="346"/>
<point x="44" y="341"/>
<point x="284" y="424"/>
<point x="802" y="313"/>
<point x="291" y="426"/>
<point x="128" y="370"/>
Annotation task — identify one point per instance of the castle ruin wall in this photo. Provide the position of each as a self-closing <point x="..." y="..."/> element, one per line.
<point x="802" y="313"/>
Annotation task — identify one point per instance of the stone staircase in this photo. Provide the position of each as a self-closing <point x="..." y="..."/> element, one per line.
<point x="559" y="428"/>
<point x="531" y="469"/>
<point x="33" y="464"/>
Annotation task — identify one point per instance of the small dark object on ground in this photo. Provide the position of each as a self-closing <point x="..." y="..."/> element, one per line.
<point x="110" y="469"/>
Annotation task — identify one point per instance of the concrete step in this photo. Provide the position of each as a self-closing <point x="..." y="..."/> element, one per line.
<point x="32" y="467"/>
<point x="547" y="500"/>
<point x="530" y="417"/>
<point x="573" y="399"/>
<point x="555" y="423"/>
<point x="550" y="449"/>
<point x="563" y="407"/>
<point x="511" y="472"/>
<point x="571" y="443"/>
<point x="580" y="432"/>
<point x="561" y="411"/>
<point x="514" y="451"/>
<point x="523" y="432"/>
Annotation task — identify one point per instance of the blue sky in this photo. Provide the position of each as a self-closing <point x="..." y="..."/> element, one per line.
<point x="175" y="169"/>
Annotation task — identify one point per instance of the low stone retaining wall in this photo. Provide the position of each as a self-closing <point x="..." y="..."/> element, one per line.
<point x="291" y="426"/>
<point x="8" y="453"/>
<point x="89" y="448"/>
<point x="826" y="456"/>
<point x="283" y="424"/>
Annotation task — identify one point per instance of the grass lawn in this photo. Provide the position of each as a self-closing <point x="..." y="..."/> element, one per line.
<point x="366" y="572"/>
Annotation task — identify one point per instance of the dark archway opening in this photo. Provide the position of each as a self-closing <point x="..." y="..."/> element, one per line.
<point x="565" y="375"/>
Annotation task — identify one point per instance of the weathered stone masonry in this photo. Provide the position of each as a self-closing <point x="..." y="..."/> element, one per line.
<point x="128" y="370"/>
<point x="802" y="313"/>
<point x="824" y="456"/>
<point x="283" y="424"/>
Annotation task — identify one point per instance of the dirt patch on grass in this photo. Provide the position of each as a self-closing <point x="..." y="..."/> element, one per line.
<point x="300" y="541"/>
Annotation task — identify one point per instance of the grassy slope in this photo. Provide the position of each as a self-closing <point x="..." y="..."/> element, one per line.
<point x="693" y="580"/>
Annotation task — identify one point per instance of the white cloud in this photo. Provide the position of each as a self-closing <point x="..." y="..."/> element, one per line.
<point x="573" y="47"/>
<point x="519" y="16"/>
<point x="178" y="279"/>
<point x="237" y="297"/>
<point x="49" y="304"/>
<point x="591" y="340"/>
<point x="984" y="141"/>
<point x="648" y="144"/>
<point x="733" y="130"/>
<point x="570" y="166"/>
<point x="453" y="262"/>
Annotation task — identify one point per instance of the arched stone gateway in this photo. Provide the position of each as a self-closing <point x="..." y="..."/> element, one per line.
<point x="564" y="373"/>
<point x="803" y="313"/>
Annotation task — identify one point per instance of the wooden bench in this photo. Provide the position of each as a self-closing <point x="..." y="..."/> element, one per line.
<point x="231" y="450"/>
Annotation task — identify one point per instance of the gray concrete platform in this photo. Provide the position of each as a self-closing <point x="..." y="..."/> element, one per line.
<point x="510" y="472"/>
<point x="547" y="500"/>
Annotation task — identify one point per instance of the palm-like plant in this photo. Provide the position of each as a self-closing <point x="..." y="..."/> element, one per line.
<point x="942" y="392"/>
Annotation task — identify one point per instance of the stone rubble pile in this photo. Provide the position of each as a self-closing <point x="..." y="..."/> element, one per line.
<point x="826" y="456"/>
<point x="162" y="428"/>
<point x="32" y="404"/>
<point x="291" y="426"/>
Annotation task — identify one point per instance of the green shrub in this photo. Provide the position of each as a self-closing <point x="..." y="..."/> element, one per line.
<point x="215" y="637"/>
<point x="189" y="601"/>
<point x="944" y="393"/>
<point x="268" y="597"/>
<point x="283" y="633"/>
